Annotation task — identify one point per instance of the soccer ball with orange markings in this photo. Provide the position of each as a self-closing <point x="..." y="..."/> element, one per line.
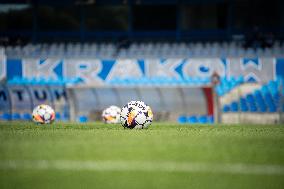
<point x="111" y="114"/>
<point x="43" y="114"/>
<point x="136" y="114"/>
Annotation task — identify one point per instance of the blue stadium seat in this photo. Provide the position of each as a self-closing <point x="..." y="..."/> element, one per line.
<point x="244" y="108"/>
<point x="192" y="119"/>
<point x="243" y="100"/>
<point x="243" y="105"/>
<point x="65" y="116"/>
<point x="273" y="86"/>
<point x="26" y="116"/>
<point x="182" y="119"/>
<point x="267" y="97"/>
<point x="264" y="90"/>
<point x="276" y="97"/>
<point x="279" y="80"/>
<point x="252" y="108"/>
<point x="250" y="98"/>
<point x="272" y="108"/>
<point x="82" y="119"/>
<point x="270" y="103"/>
<point x="57" y="116"/>
<point x="234" y="106"/>
<point x="5" y="116"/>
<point x="272" y="83"/>
<point x="260" y="102"/>
<point x="269" y="100"/>
<point x="251" y="103"/>
<point x="202" y="119"/>
<point x="226" y="108"/>
<point x="16" y="116"/>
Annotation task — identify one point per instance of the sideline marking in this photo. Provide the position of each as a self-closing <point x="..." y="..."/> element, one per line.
<point x="148" y="166"/>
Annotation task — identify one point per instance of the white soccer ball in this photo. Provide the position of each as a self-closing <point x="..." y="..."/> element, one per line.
<point x="136" y="114"/>
<point x="43" y="114"/>
<point x="111" y="114"/>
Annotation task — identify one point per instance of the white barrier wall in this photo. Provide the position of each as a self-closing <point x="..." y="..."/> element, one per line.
<point x="169" y="101"/>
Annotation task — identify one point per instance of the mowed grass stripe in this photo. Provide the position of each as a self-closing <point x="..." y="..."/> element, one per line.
<point x="194" y="167"/>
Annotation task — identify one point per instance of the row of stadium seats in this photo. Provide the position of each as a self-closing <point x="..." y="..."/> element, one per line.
<point x="160" y="81"/>
<point x="26" y="116"/>
<point x="197" y="52"/>
<point x="199" y="119"/>
<point x="225" y="85"/>
<point x="142" y="50"/>
<point x="202" y="119"/>
<point x="266" y="99"/>
<point x="43" y="81"/>
<point x="15" y="116"/>
<point x="69" y="49"/>
<point x="117" y="81"/>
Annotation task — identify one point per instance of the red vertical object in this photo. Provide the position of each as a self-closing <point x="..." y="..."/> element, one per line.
<point x="208" y="93"/>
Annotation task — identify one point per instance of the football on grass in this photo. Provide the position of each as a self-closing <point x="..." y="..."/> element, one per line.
<point x="111" y="114"/>
<point x="136" y="114"/>
<point x="43" y="114"/>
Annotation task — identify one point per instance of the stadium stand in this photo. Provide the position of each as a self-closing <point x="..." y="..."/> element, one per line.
<point x="142" y="50"/>
<point x="265" y="99"/>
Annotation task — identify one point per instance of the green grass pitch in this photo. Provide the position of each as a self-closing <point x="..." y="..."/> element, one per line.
<point x="95" y="155"/>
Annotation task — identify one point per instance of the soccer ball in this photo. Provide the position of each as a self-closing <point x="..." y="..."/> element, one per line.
<point x="43" y="114"/>
<point x="136" y="114"/>
<point x="111" y="114"/>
